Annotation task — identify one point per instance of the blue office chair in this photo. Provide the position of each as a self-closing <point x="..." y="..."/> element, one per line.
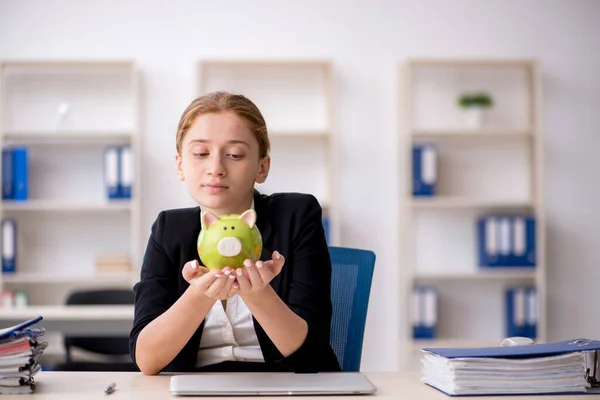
<point x="351" y="276"/>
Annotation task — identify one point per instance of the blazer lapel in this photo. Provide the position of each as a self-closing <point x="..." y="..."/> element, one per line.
<point x="263" y="222"/>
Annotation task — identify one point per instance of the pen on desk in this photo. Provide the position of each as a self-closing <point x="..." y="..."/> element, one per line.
<point x="110" y="388"/>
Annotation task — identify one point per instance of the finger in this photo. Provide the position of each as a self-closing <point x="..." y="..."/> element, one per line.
<point x="230" y="278"/>
<point x="217" y="285"/>
<point x="278" y="262"/>
<point x="275" y="264"/>
<point x="234" y="287"/>
<point x="226" y="271"/>
<point x="203" y="282"/>
<point x="253" y="275"/>
<point x="190" y="269"/>
<point x="242" y="280"/>
<point x="265" y="270"/>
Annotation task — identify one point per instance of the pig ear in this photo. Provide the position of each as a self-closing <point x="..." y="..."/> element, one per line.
<point x="249" y="217"/>
<point x="208" y="219"/>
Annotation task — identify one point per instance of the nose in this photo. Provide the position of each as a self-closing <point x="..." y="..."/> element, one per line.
<point x="229" y="247"/>
<point x="216" y="167"/>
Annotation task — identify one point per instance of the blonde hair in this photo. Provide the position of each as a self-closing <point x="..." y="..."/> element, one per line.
<point x="225" y="102"/>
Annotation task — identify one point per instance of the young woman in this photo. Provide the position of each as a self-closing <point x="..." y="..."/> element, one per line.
<point x="272" y="315"/>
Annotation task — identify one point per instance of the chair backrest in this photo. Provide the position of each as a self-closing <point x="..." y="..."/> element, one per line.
<point x="351" y="277"/>
<point x="110" y="345"/>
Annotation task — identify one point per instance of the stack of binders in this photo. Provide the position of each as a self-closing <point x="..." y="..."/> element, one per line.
<point x="506" y="241"/>
<point x="570" y="366"/>
<point x="20" y="351"/>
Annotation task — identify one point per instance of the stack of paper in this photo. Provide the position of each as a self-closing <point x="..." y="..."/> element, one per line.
<point x="20" y="350"/>
<point x="113" y="264"/>
<point x="561" y="367"/>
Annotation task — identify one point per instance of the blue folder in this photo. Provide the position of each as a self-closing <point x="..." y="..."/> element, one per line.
<point x="426" y="326"/>
<point x="532" y="350"/>
<point x="424" y="164"/>
<point x="8" y="187"/>
<point x="9" y="245"/>
<point x="20" y="174"/>
<point x="16" y="329"/>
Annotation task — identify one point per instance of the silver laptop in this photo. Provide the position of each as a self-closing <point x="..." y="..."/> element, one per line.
<point x="270" y="384"/>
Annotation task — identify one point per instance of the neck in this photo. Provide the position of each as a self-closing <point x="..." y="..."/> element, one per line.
<point x="238" y="208"/>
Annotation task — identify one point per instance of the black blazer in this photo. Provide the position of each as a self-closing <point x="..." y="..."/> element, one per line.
<point x="289" y="223"/>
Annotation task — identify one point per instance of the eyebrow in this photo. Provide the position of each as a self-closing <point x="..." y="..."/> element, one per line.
<point x="208" y="141"/>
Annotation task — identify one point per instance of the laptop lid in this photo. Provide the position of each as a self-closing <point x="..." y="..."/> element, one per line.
<point x="270" y="383"/>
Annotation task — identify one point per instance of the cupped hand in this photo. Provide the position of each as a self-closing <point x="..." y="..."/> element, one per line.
<point x="255" y="277"/>
<point x="214" y="284"/>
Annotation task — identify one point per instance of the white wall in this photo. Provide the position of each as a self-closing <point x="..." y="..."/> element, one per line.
<point x="366" y="39"/>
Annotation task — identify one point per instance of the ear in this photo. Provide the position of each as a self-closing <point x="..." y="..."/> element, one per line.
<point x="263" y="169"/>
<point x="178" y="166"/>
<point x="208" y="219"/>
<point x="249" y="217"/>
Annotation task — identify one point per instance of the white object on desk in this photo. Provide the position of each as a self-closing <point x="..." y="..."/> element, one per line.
<point x="516" y="341"/>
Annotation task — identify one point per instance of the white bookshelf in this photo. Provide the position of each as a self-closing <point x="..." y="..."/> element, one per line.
<point x="493" y="169"/>
<point x="296" y="99"/>
<point x="68" y="220"/>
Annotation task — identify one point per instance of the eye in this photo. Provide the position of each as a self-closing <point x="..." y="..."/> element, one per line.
<point x="200" y="155"/>
<point x="224" y="228"/>
<point x="233" y="228"/>
<point x="236" y="156"/>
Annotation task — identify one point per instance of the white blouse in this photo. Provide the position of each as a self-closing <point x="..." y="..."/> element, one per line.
<point x="229" y="335"/>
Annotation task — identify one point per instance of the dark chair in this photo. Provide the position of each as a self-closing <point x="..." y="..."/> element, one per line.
<point x="110" y="347"/>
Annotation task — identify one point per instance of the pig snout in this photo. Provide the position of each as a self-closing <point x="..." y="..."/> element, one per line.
<point x="229" y="247"/>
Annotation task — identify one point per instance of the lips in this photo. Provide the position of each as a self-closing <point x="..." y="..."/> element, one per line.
<point x="215" y="186"/>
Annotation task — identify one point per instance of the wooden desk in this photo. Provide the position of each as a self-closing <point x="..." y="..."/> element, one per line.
<point x="134" y="385"/>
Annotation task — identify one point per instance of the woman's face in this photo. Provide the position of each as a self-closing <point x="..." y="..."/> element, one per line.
<point x="220" y="162"/>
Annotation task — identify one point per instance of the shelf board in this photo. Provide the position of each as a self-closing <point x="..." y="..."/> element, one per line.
<point x="68" y="63"/>
<point x="497" y="273"/>
<point x="69" y="313"/>
<point x="260" y="63"/>
<point x="53" y="278"/>
<point x="308" y="134"/>
<point x="443" y="202"/>
<point x="62" y="206"/>
<point x="457" y="134"/>
<point x="74" y="137"/>
<point x="471" y="62"/>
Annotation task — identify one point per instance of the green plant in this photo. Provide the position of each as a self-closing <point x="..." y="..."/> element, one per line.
<point x="475" y="99"/>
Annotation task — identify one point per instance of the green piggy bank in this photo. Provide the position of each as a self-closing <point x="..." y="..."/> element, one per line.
<point x="228" y="240"/>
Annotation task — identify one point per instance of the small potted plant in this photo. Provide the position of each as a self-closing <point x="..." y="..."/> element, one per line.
<point x="475" y="105"/>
